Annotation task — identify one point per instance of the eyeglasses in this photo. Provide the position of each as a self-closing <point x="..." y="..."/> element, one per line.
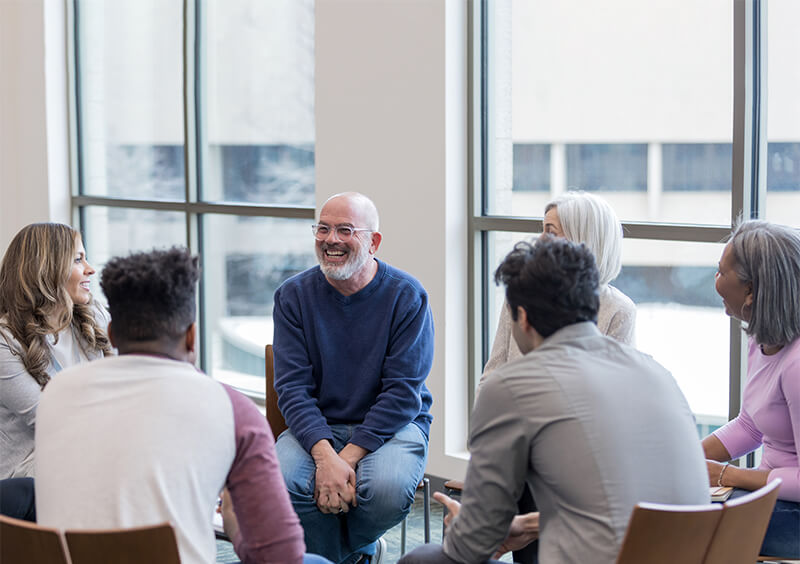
<point x="343" y="232"/>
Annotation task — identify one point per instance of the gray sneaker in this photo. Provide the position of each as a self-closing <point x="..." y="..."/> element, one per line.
<point x="380" y="554"/>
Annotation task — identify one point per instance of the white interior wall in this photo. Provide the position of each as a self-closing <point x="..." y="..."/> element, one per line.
<point x="34" y="169"/>
<point x="390" y="122"/>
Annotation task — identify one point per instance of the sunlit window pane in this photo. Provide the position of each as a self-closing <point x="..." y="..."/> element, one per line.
<point x="631" y="100"/>
<point x="783" y="112"/>
<point x="113" y="232"/>
<point x="245" y="260"/>
<point x="257" y="84"/>
<point x="131" y="98"/>
<point x="679" y="321"/>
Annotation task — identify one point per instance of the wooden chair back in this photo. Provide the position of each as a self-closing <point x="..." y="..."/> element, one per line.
<point x="666" y="534"/>
<point x="742" y="527"/>
<point x="23" y="542"/>
<point x="274" y="415"/>
<point x="154" y="544"/>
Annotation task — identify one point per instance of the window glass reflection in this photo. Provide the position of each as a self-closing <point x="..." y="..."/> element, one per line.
<point x="257" y="101"/>
<point x="245" y="260"/>
<point x="641" y="116"/>
<point x="130" y="77"/>
<point x="680" y="320"/>
<point x="110" y="232"/>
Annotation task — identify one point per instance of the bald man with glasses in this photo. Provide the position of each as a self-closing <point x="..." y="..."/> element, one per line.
<point x="353" y="346"/>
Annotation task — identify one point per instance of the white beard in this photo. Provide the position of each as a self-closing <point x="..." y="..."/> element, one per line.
<point x="355" y="262"/>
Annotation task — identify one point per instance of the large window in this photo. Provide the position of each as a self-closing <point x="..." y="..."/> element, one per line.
<point x="783" y="113"/>
<point x="658" y="107"/>
<point x="195" y="126"/>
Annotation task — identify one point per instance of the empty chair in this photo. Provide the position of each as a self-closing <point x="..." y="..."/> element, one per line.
<point x="741" y="530"/>
<point x="154" y="544"/>
<point x="23" y="542"/>
<point x="667" y="534"/>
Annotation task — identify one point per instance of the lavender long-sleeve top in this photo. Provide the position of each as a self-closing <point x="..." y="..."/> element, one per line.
<point x="770" y="415"/>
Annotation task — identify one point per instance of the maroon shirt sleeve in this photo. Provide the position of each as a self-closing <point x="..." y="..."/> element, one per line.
<point x="269" y="529"/>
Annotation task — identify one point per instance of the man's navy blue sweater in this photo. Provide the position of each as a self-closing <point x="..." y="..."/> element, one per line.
<point x="360" y="359"/>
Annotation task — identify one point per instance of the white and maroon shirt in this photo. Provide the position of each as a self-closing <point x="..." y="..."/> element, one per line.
<point x="137" y="440"/>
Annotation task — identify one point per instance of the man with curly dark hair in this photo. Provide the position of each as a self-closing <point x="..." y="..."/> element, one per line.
<point x="145" y="437"/>
<point x="575" y="418"/>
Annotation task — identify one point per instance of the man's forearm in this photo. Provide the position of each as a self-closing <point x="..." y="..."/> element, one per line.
<point x="322" y="449"/>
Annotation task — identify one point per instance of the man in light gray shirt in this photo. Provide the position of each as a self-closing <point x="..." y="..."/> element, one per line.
<point x="592" y="425"/>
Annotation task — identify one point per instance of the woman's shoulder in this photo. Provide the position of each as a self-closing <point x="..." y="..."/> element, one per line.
<point x="616" y="316"/>
<point x="101" y="315"/>
<point x="10" y="355"/>
<point x="790" y="357"/>
<point x="614" y="300"/>
<point x="7" y="340"/>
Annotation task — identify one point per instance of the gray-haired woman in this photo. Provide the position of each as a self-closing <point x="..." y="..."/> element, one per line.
<point x="759" y="282"/>
<point x="583" y="218"/>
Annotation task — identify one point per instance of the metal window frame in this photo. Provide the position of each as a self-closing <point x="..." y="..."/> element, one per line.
<point x="748" y="190"/>
<point x="193" y="206"/>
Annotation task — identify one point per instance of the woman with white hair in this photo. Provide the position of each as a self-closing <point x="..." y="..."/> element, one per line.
<point x="580" y="217"/>
<point x="583" y="218"/>
<point x="759" y="282"/>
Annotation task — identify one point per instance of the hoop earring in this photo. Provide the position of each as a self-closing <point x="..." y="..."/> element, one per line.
<point x="746" y="308"/>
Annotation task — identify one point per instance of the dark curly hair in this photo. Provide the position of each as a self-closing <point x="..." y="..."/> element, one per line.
<point x="554" y="280"/>
<point x="151" y="295"/>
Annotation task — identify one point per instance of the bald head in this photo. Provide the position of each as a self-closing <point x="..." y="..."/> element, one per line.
<point x="360" y="209"/>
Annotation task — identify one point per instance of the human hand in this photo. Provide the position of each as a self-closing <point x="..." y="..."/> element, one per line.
<point x="230" y="524"/>
<point x="335" y="488"/>
<point x="523" y="530"/>
<point x="452" y="506"/>
<point x="352" y="454"/>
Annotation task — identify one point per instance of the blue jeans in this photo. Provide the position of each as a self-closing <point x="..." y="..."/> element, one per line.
<point x="313" y="559"/>
<point x="783" y="533"/>
<point x="386" y="481"/>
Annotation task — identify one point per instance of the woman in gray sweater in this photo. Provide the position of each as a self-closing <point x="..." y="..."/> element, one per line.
<point x="48" y="321"/>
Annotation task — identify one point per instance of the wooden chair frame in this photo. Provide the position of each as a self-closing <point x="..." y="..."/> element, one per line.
<point x="23" y="542"/>
<point x="156" y="544"/>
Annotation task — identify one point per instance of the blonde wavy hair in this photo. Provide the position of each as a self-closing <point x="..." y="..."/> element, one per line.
<point x="34" y="301"/>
